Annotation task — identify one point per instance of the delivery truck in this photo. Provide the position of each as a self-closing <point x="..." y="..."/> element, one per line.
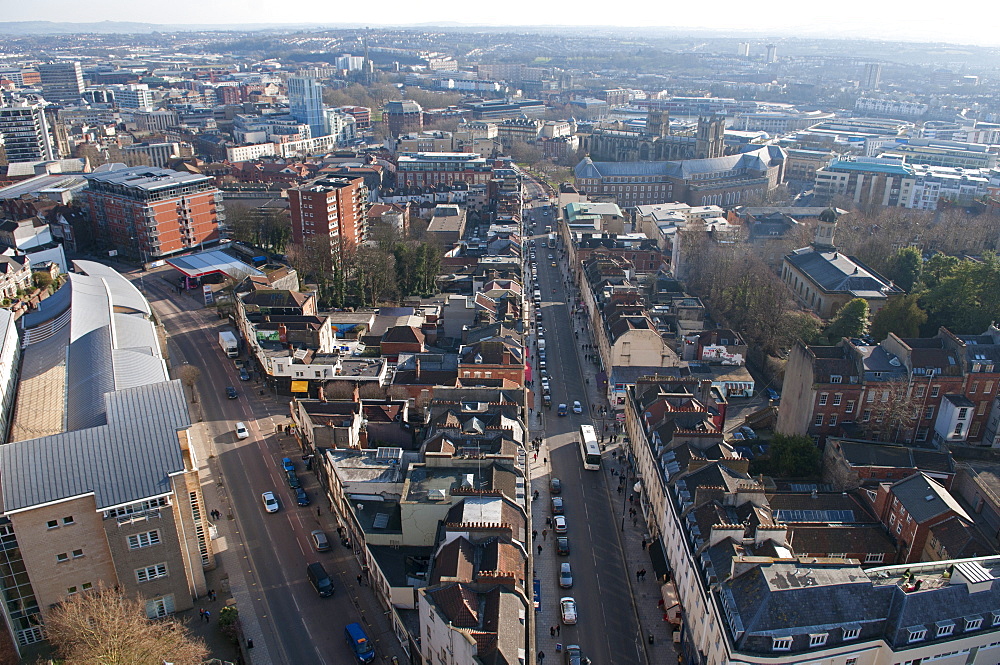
<point x="229" y="343"/>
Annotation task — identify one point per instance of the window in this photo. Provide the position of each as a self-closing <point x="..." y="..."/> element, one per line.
<point x="899" y="528"/>
<point x="833" y="419"/>
<point x="945" y="629"/>
<point x="963" y="413"/>
<point x="852" y="632"/>
<point x="151" y="572"/>
<point x="819" y="420"/>
<point x="139" y="540"/>
<point x="929" y="412"/>
<point x="851" y="661"/>
<point x="974" y="430"/>
<point x="922" y="432"/>
<point x="974" y="387"/>
<point x="70" y="591"/>
<point x="68" y="520"/>
<point x="781" y="643"/>
<point x="996" y="618"/>
<point x="86" y="586"/>
<point x="885" y="395"/>
<point x="920" y="391"/>
<point x="973" y="623"/>
<point x="817" y="639"/>
<point x="917" y="634"/>
<point x="53" y="524"/>
<point x="836" y="378"/>
<point x="837" y="398"/>
<point x="935" y="391"/>
<point x="77" y="554"/>
<point x="870" y="396"/>
<point x="872" y="557"/>
<point x="988" y="388"/>
<point x="850" y="406"/>
<point x="823" y="397"/>
<point x="866" y="416"/>
<point x="958" y="429"/>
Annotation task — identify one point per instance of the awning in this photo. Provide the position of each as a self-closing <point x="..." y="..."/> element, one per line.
<point x="659" y="559"/>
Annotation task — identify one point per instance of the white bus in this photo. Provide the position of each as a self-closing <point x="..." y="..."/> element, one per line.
<point x="590" y="450"/>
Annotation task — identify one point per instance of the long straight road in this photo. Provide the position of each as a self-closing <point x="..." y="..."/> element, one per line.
<point x="294" y="625"/>
<point x="608" y="629"/>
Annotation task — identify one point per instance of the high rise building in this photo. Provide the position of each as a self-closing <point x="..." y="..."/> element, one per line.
<point x="331" y="207"/>
<point x="149" y="213"/>
<point x="403" y="116"/>
<point x="772" y="53"/>
<point x="743" y="49"/>
<point x="872" y="77"/>
<point x="61" y="81"/>
<point x="25" y="132"/>
<point x="305" y="99"/>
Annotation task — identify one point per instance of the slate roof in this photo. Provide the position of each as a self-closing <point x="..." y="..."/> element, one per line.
<point x="925" y="498"/>
<point x="835" y="272"/>
<point x="866" y="453"/>
<point x="129" y="459"/>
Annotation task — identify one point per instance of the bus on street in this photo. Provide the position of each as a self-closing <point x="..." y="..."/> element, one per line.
<point x="590" y="450"/>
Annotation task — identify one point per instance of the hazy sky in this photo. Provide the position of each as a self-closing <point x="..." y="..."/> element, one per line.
<point x="975" y="21"/>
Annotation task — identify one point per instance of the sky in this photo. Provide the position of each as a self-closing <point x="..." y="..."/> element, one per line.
<point x="974" y="21"/>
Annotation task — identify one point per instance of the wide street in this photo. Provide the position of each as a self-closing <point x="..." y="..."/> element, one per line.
<point x="608" y="630"/>
<point x="266" y="553"/>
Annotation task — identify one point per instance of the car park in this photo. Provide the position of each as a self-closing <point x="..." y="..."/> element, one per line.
<point x="271" y="504"/>
<point x="559" y="524"/>
<point x="555" y="486"/>
<point x="241" y="431"/>
<point x="565" y="575"/>
<point x="301" y="497"/>
<point x="557" y="505"/>
<point x="231" y="392"/>
<point x="577" y="408"/>
<point x="319" y="541"/>
<point x="567" y="610"/>
<point x="562" y="545"/>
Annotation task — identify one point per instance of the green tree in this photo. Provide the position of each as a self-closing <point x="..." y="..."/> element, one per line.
<point x="794" y="456"/>
<point x="961" y="293"/>
<point x="905" y="267"/>
<point x="851" y="320"/>
<point x="902" y="316"/>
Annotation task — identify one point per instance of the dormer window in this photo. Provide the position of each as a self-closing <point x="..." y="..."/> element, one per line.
<point x="945" y="628"/>
<point x="973" y="623"/>
<point x="836" y="378"/>
<point x="781" y="643"/>
<point x="851" y="633"/>
<point x="916" y="634"/>
<point x="817" y="639"/>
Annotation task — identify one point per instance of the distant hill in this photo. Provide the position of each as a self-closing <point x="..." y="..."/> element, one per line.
<point x="130" y="27"/>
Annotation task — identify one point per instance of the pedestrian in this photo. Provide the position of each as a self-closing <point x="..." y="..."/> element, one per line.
<point x="552" y="631"/>
<point x="539" y="550"/>
<point x="249" y="643"/>
<point x="319" y="511"/>
<point x="208" y="616"/>
<point x="638" y="575"/>
<point x="360" y="576"/>
<point x="201" y="612"/>
<point x="643" y="571"/>
<point x="211" y="595"/>
<point x="541" y="656"/>
<point x="548" y="521"/>
<point x="558" y="630"/>
<point x="534" y="534"/>
<point x="545" y="532"/>
<point x="643" y="544"/>
<point x="619" y="489"/>
<point x="631" y="498"/>
<point x="635" y="521"/>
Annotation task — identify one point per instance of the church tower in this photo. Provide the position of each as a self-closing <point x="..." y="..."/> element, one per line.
<point x="657" y="122"/>
<point x="711" y="137"/>
<point x="826" y="226"/>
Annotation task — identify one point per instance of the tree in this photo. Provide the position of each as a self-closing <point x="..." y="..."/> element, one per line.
<point x="891" y="413"/>
<point x="794" y="456"/>
<point x="851" y="320"/>
<point x="373" y="275"/>
<point x="901" y="316"/>
<point x="905" y="267"/>
<point x="106" y="627"/>
<point x="43" y="280"/>
<point x="189" y="375"/>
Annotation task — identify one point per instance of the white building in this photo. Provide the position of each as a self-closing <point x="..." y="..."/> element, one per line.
<point x="245" y="153"/>
<point x="10" y="359"/>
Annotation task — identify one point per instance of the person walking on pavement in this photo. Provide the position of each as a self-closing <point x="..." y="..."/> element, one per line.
<point x="539" y="550"/>
<point x="541" y="657"/>
<point x="558" y="630"/>
<point x="208" y="616"/>
<point x="545" y="533"/>
<point x="552" y="631"/>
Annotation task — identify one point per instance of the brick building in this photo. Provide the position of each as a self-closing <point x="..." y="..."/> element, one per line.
<point x="435" y="168"/>
<point x="331" y="207"/>
<point x="149" y="213"/>
<point x="493" y="358"/>
<point x="403" y="116"/>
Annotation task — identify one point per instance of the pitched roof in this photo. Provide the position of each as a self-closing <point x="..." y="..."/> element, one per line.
<point x="925" y="498"/>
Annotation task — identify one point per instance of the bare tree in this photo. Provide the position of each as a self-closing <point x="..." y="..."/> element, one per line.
<point x="106" y="627"/>
<point x="189" y="375"/>
<point x="891" y="413"/>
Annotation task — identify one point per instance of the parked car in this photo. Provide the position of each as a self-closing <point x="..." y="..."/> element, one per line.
<point x="555" y="486"/>
<point x="559" y="524"/>
<point x="241" y="431"/>
<point x="565" y="575"/>
<point x="562" y="545"/>
<point x="293" y="480"/>
<point x="287" y="464"/>
<point x="567" y="610"/>
<point x="301" y="497"/>
<point x="773" y="395"/>
<point x="231" y="392"/>
<point x="748" y="433"/>
<point x="271" y="504"/>
<point x="357" y="640"/>
<point x="320" y="580"/>
<point x="244" y="375"/>
<point x="557" y="505"/>
<point x="319" y="540"/>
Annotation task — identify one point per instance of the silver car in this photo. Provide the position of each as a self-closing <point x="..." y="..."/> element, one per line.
<point x="565" y="575"/>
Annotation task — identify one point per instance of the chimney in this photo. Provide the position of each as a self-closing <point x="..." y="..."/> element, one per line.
<point x="356" y="393"/>
<point x="321" y="394"/>
<point x="418" y="367"/>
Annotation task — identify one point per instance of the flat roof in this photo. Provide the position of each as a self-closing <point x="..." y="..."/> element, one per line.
<point x="214" y="261"/>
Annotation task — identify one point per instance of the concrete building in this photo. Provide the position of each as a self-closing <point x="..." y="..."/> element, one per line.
<point x="149" y="213"/>
<point x="424" y="169"/>
<point x="330" y="207"/>
<point x="872" y="78"/>
<point x="305" y="100"/>
<point x="447" y="225"/>
<point x="110" y="496"/>
<point x="25" y="132"/>
<point x="61" y="81"/>
<point x="157" y="154"/>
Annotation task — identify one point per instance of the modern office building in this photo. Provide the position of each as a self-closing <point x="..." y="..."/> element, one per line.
<point x="149" y="213"/>
<point x="872" y="78"/>
<point x="305" y="100"/>
<point x="25" y="132"/>
<point x="331" y="207"/>
<point x="61" y="81"/>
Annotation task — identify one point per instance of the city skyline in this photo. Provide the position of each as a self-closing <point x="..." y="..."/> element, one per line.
<point x="882" y="21"/>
